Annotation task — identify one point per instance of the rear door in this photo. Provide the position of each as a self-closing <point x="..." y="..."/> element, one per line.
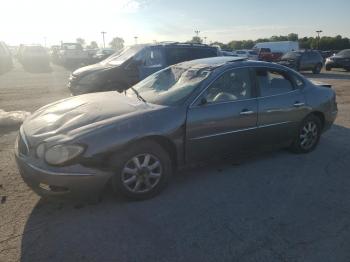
<point x="198" y="53"/>
<point x="223" y="119"/>
<point x="281" y="105"/>
<point x="177" y="54"/>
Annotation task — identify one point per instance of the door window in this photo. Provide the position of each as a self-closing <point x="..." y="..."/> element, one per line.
<point x="273" y="82"/>
<point x="153" y="58"/>
<point x="230" y="86"/>
<point x="178" y="55"/>
<point x="198" y="53"/>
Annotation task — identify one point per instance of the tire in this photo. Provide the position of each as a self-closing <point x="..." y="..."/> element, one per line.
<point x="137" y="180"/>
<point x="317" y="69"/>
<point x="308" y="136"/>
<point x="328" y="68"/>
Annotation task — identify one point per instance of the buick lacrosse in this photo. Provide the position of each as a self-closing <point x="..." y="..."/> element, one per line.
<point x="184" y="113"/>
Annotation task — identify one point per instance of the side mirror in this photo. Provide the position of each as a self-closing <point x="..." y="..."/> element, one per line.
<point x="203" y="101"/>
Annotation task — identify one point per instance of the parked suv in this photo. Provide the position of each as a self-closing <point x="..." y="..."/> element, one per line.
<point x="72" y="54"/>
<point x="122" y="70"/>
<point x="339" y="60"/>
<point x="5" y="58"/>
<point x="33" y="55"/>
<point x="303" y="60"/>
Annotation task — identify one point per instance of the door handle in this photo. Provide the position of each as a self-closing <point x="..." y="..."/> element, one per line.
<point x="246" y="112"/>
<point x="298" y="104"/>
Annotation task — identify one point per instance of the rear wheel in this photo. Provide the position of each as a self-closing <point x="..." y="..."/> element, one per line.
<point x="142" y="171"/>
<point x="317" y="69"/>
<point x="308" y="135"/>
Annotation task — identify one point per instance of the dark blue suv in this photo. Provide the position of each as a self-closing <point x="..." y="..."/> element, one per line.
<point x="122" y="70"/>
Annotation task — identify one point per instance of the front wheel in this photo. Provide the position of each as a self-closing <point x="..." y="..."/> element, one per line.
<point x="308" y="135"/>
<point x="142" y="171"/>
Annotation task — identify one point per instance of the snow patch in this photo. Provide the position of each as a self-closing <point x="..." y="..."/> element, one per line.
<point x="12" y="118"/>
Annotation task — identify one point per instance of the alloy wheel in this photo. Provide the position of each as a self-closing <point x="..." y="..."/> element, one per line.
<point x="308" y="135"/>
<point x="141" y="173"/>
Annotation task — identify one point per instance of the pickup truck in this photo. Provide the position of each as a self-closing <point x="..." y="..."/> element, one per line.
<point x="265" y="54"/>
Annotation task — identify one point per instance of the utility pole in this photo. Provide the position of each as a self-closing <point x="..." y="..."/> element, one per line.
<point x="135" y="37"/>
<point x="318" y="38"/>
<point x="103" y="37"/>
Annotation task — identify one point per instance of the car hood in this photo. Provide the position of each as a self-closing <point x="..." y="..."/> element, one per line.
<point x="72" y="117"/>
<point x="83" y="71"/>
<point x="319" y="83"/>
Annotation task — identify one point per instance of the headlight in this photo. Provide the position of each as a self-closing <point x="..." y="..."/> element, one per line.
<point x="60" y="154"/>
<point x="90" y="78"/>
<point x="40" y="150"/>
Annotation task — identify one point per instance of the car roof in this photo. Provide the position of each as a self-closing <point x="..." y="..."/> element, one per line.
<point x="179" y="44"/>
<point x="226" y="61"/>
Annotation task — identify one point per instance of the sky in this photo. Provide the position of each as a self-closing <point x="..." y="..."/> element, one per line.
<point x="52" y="21"/>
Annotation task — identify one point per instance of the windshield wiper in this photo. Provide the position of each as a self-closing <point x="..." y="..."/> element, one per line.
<point x="138" y="95"/>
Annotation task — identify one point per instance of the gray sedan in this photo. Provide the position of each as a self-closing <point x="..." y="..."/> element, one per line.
<point x="185" y="113"/>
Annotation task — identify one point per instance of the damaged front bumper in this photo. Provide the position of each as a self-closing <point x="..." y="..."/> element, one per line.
<point x="46" y="180"/>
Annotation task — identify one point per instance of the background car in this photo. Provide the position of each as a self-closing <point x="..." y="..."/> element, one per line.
<point x="339" y="60"/>
<point x="182" y="114"/>
<point x="5" y="58"/>
<point x="33" y="55"/>
<point x="102" y="54"/>
<point x="246" y="53"/>
<point x="303" y="61"/>
<point x="73" y="54"/>
<point x="122" y="70"/>
<point x="265" y="54"/>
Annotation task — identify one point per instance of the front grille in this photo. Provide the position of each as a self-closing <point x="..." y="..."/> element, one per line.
<point x="22" y="146"/>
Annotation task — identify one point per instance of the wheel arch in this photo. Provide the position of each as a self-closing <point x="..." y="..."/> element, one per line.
<point x="164" y="142"/>
<point x="319" y="115"/>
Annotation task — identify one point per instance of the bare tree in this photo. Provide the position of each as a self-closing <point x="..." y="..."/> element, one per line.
<point x="80" y="41"/>
<point x="93" y="45"/>
<point x="117" y="43"/>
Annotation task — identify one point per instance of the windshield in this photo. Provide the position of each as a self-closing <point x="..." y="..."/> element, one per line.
<point x="121" y="57"/>
<point x="290" y="55"/>
<point x="345" y="53"/>
<point x="170" y="86"/>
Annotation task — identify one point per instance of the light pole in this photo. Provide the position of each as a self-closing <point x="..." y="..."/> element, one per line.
<point x="318" y="38"/>
<point x="103" y="37"/>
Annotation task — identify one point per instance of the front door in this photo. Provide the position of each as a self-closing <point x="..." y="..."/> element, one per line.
<point x="153" y="62"/>
<point x="223" y="119"/>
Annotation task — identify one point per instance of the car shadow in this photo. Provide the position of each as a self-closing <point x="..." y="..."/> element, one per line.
<point x="272" y="206"/>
